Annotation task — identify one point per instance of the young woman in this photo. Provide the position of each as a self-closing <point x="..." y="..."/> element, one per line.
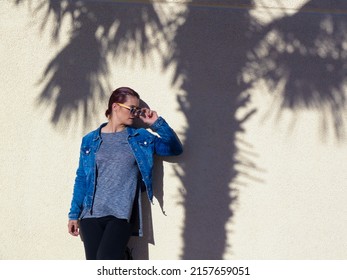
<point x="116" y="162"/>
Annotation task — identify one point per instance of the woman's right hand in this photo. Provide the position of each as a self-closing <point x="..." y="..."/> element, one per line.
<point x="73" y="227"/>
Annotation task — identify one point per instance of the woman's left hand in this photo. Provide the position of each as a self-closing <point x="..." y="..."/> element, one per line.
<point x="148" y="116"/>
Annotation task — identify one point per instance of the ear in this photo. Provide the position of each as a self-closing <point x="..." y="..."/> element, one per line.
<point x="114" y="106"/>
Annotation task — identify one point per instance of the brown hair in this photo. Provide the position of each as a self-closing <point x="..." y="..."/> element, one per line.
<point x="120" y="95"/>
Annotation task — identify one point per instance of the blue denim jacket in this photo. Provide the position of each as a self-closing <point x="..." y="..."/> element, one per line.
<point x="144" y="145"/>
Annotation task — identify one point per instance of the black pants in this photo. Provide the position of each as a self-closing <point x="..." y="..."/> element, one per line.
<point x="105" y="238"/>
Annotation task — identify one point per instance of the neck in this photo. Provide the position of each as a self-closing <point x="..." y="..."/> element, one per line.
<point x="112" y="126"/>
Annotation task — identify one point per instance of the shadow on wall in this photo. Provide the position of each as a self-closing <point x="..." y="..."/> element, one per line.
<point x="302" y="59"/>
<point x="77" y="76"/>
<point x="221" y="54"/>
<point x="210" y="52"/>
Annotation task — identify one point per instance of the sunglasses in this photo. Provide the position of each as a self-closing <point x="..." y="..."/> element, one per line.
<point x="136" y="111"/>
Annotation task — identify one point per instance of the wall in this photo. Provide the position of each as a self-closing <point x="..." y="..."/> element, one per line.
<point x="255" y="90"/>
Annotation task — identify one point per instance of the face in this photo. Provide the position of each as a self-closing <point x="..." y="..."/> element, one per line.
<point x="123" y="114"/>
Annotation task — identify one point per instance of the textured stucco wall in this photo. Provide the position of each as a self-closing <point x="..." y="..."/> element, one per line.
<point x="254" y="90"/>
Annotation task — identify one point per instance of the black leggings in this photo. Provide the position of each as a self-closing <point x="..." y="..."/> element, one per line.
<point x="105" y="238"/>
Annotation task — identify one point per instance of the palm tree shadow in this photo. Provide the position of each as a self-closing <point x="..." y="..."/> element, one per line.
<point x="210" y="52"/>
<point x="214" y="47"/>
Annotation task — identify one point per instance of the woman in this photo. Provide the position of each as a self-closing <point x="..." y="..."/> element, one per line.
<point x="116" y="162"/>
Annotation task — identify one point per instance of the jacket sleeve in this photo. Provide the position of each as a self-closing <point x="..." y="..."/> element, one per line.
<point x="167" y="144"/>
<point x="79" y="190"/>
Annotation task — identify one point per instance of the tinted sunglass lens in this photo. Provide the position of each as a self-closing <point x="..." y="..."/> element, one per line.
<point x="137" y="112"/>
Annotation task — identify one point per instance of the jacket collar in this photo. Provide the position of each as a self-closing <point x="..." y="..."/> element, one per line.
<point x="97" y="134"/>
<point x="131" y="130"/>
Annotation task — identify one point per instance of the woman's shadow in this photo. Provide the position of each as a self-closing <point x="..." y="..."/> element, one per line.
<point x="139" y="246"/>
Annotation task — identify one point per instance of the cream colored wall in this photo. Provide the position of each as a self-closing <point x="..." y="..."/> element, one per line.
<point x="287" y="180"/>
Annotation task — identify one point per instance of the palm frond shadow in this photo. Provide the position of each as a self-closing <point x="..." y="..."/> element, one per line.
<point x="78" y="75"/>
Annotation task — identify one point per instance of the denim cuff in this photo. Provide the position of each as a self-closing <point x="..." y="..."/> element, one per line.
<point x="157" y="124"/>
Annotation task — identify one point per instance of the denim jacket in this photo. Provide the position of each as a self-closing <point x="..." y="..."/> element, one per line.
<point x="143" y="144"/>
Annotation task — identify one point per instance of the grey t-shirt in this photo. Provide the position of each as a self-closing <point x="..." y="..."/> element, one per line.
<point x="117" y="177"/>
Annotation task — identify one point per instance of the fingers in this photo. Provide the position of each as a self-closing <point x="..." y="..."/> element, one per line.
<point x="148" y="113"/>
<point x="73" y="227"/>
<point x="148" y="116"/>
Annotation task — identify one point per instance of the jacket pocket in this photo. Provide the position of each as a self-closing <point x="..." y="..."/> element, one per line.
<point x="85" y="150"/>
<point x="145" y="142"/>
<point x="86" y="153"/>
